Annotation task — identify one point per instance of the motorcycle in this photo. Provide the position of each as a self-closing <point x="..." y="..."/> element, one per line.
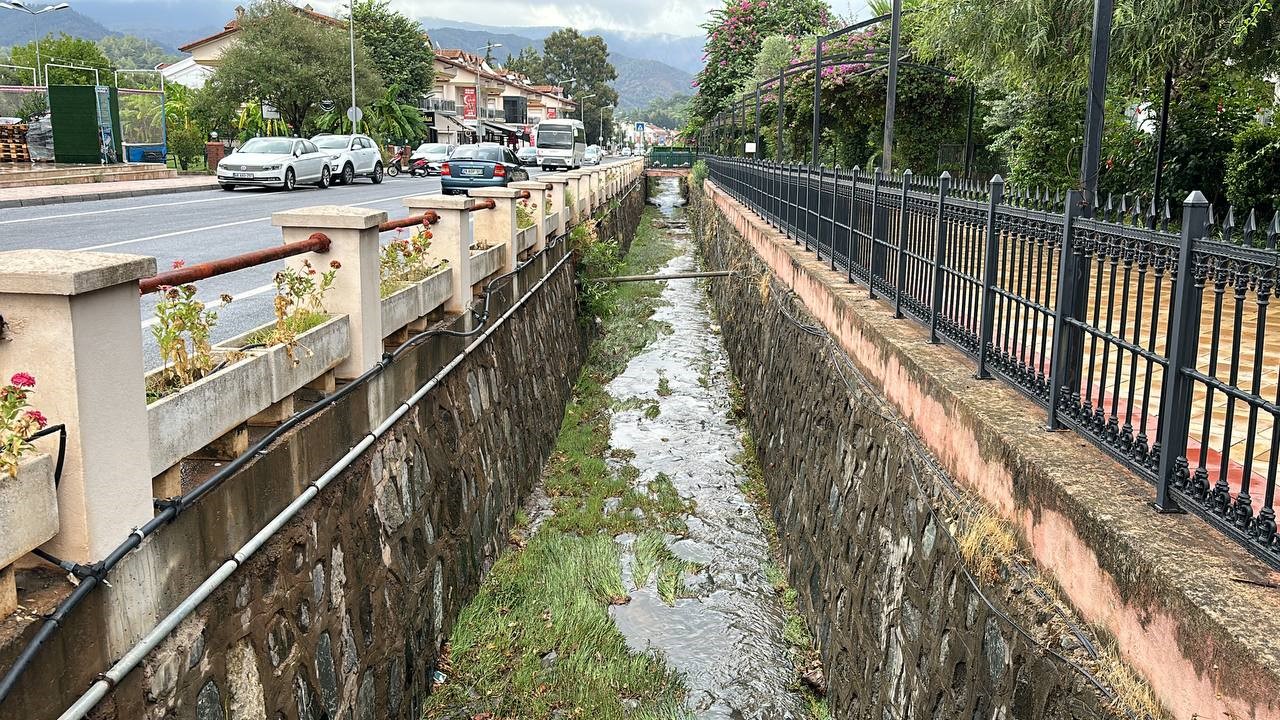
<point x="420" y="167"/>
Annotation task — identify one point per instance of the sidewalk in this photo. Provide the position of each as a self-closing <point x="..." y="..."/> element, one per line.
<point x="54" y="194"/>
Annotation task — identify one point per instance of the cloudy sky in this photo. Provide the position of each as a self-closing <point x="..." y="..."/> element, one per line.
<point x="675" y="17"/>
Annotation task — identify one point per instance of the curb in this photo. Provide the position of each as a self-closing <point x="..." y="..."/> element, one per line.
<point x="109" y="195"/>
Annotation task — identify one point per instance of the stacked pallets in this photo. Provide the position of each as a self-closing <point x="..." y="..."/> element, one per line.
<point x="13" y="144"/>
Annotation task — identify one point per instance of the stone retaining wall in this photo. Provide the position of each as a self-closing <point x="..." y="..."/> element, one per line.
<point x="341" y="614"/>
<point x="902" y="633"/>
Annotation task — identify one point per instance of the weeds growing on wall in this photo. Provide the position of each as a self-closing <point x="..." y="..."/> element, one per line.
<point x="537" y="641"/>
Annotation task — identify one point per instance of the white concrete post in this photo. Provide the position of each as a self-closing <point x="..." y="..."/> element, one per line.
<point x="499" y="224"/>
<point x="559" y="184"/>
<point x="71" y="320"/>
<point x="353" y="235"/>
<point x="451" y="241"/>
<point x="539" y="195"/>
<point x="581" y="207"/>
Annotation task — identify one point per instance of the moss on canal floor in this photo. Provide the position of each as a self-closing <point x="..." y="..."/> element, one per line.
<point x="537" y="641"/>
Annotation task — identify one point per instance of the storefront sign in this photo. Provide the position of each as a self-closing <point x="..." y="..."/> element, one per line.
<point x="469" y="103"/>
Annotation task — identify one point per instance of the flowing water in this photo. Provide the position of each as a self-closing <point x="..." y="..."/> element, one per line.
<point x="725" y="632"/>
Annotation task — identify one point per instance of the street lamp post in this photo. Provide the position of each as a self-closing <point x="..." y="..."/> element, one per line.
<point x="602" y="109"/>
<point x="35" y="27"/>
<point x="582" y="109"/>
<point x="487" y="48"/>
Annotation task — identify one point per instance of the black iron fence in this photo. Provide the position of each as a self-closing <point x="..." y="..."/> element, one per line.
<point x="1153" y="344"/>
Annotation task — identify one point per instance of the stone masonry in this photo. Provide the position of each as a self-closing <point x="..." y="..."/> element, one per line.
<point x="901" y="631"/>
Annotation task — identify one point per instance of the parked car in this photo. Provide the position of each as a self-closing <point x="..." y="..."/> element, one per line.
<point x="434" y="153"/>
<point x="275" y="162"/>
<point x="483" y="165"/>
<point x="527" y="155"/>
<point x="591" y="156"/>
<point x="626" y="152"/>
<point x="351" y="156"/>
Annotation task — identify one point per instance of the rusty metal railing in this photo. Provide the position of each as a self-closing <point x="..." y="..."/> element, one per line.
<point x="427" y="218"/>
<point x="318" y="243"/>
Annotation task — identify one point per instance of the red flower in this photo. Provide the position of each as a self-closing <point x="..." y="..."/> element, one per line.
<point x="38" y="418"/>
<point x="178" y="263"/>
<point x="22" y="380"/>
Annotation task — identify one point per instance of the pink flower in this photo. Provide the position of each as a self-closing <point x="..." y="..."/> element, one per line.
<point x="38" y="418"/>
<point x="178" y="263"/>
<point x="22" y="380"/>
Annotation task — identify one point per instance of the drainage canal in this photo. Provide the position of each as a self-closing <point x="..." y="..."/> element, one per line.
<point x="642" y="584"/>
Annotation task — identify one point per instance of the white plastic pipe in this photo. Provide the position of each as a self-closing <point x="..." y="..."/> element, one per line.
<point x="135" y="655"/>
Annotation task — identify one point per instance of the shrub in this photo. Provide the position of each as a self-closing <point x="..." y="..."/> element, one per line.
<point x="698" y="173"/>
<point x="187" y="145"/>
<point x="1252" y="169"/>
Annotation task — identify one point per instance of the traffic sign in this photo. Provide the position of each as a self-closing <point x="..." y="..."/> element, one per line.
<point x="355" y="114"/>
<point x="639" y="127"/>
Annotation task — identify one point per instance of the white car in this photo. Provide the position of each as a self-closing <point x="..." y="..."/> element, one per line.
<point x="275" y="162"/>
<point x="351" y="156"/>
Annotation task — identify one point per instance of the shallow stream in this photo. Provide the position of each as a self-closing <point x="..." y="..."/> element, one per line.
<point x="725" y="631"/>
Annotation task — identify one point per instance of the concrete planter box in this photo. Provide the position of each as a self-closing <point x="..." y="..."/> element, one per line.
<point x="28" y="508"/>
<point x="550" y="225"/>
<point x="319" y="350"/>
<point x="527" y="237"/>
<point x="401" y="308"/>
<point x="207" y="409"/>
<point x="487" y="262"/>
<point x="436" y="290"/>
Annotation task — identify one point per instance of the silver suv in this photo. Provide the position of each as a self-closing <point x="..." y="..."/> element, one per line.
<point x="351" y="156"/>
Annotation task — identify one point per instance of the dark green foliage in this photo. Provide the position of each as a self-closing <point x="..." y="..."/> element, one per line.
<point x="291" y="62"/>
<point x="1252" y="170"/>
<point x="398" y="47"/>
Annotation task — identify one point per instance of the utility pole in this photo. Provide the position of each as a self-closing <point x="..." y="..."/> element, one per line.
<point x="1103" y="10"/>
<point x="891" y="96"/>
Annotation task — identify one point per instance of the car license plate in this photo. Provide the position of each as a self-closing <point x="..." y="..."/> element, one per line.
<point x="248" y="176"/>
<point x="472" y="172"/>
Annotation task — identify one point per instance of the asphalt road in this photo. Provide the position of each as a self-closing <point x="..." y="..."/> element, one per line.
<point x="196" y="227"/>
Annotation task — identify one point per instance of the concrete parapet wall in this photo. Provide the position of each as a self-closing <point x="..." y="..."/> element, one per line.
<point x="342" y="613"/>
<point x="1191" y="612"/>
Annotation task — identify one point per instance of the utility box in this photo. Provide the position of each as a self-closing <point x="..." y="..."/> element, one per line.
<point x="86" y="124"/>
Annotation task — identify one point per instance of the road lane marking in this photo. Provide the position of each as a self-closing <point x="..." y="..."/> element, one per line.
<point x="217" y="302"/>
<point x="176" y="233"/>
<point x="111" y="210"/>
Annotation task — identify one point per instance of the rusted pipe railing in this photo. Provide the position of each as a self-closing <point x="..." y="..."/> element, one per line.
<point x="318" y="242"/>
<point x="524" y="195"/>
<point x="485" y="204"/>
<point x="427" y="218"/>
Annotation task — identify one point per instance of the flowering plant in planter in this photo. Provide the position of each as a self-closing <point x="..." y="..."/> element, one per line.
<point x="405" y="260"/>
<point x="18" y="421"/>
<point x="299" y="305"/>
<point x="182" y="329"/>
<point x="526" y="211"/>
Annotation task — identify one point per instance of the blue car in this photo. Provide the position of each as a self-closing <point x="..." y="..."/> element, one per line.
<point x="479" y="166"/>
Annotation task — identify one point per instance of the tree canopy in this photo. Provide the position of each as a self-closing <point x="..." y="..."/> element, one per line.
<point x="63" y="49"/>
<point x="398" y="47"/>
<point x="129" y="52"/>
<point x="292" y="63"/>
<point x="734" y="35"/>
<point x="569" y="55"/>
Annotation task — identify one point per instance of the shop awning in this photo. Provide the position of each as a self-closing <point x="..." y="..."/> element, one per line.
<point x="503" y="127"/>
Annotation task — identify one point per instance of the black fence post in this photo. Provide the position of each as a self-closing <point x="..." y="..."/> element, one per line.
<point x="872" y="260"/>
<point x="986" y="330"/>
<point x="853" y="222"/>
<point x="939" y="252"/>
<point x="1068" y="340"/>
<point x="1184" y="335"/>
<point x="901" y="279"/>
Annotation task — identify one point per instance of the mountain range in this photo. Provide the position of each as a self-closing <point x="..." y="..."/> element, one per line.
<point x="641" y="79"/>
<point x="649" y="66"/>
